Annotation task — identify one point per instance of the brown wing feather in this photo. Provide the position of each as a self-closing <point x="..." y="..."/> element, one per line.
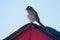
<point x="36" y="16"/>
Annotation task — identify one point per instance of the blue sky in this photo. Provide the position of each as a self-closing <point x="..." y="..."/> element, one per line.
<point x="12" y="14"/>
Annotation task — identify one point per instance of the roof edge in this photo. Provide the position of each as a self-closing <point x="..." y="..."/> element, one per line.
<point x="25" y="26"/>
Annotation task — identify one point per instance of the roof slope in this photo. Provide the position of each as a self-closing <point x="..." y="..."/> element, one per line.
<point x="43" y="29"/>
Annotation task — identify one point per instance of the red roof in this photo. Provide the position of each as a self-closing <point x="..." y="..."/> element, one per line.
<point x="30" y="32"/>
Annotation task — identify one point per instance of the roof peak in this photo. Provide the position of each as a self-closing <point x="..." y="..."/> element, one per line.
<point x="43" y="29"/>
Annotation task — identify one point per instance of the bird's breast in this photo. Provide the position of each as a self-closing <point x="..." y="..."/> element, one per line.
<point x="31" y="15"/>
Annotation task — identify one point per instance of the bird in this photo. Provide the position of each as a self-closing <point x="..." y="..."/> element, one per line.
<point x="32" y="15"/>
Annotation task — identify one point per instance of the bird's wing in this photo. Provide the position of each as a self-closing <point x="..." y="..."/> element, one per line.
<point x="37" y="19"/>
<point x="36" y="16"/>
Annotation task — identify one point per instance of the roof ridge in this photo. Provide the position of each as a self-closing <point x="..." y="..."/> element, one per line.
<point x="43" y="29"/>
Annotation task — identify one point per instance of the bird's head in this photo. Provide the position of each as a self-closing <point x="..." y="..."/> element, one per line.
<point x="29" y="7"/>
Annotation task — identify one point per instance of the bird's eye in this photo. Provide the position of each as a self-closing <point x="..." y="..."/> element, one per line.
<point x="29" y="7"/>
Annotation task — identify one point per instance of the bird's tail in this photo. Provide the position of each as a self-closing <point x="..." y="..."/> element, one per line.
<point x="41" y="24"/>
